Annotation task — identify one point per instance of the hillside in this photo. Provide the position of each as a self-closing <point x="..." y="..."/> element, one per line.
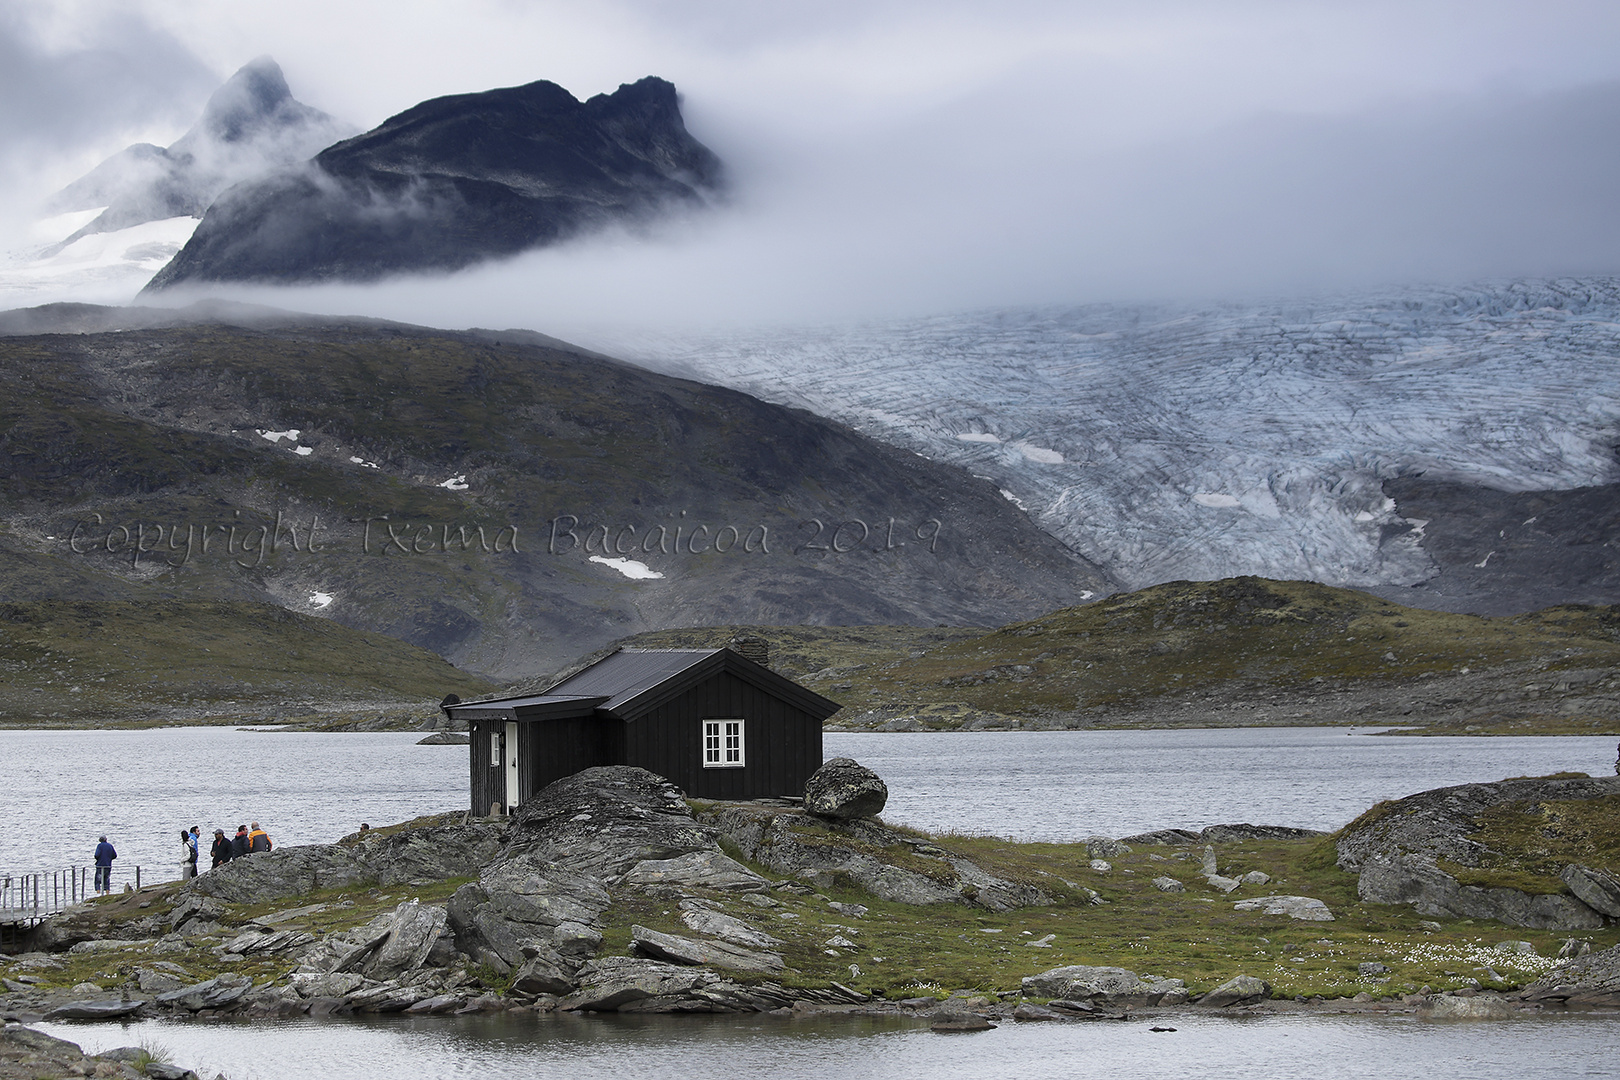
<point x="1241" y="651"/>
<point x="504" y="500"/>
<point x="122" y="661"/>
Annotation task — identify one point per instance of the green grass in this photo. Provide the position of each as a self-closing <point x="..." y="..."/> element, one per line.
<point x="119" y="661"/>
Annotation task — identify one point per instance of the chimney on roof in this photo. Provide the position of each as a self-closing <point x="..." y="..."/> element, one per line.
<point x="756" y="649"/>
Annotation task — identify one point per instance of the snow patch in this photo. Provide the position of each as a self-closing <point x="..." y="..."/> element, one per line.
<point x="363" y="463"/>
<point x="455" y="483"/>
<point x="1038" y="454"/>
<point x="1015" y="500"/>
<point x="1218" y="500"/>
<point x="291" y="435"/>
<point x="318" y="600"/>
<point x="1366" y="515"/>
<point x="303" y="451"/>
<point x="979" y="436"/>
<point x="630" y="568"/>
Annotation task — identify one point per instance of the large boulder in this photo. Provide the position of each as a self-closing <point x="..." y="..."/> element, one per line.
<point x="1109" y="986"/>
<point x="843" y="789"/>
<point x="1597" y="889"/>
<point x="684" y="950"/>
<point x="602" y="822"/>
<point x="1242" y="990"/>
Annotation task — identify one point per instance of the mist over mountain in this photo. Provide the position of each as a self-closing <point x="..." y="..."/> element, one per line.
<point x="452" y="182"/>
<point x="251" y="125"/>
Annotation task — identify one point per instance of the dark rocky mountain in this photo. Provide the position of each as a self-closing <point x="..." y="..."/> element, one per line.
<point x="503" y="499"/>
<point x="454" y="181"/>
<point x="251" y="126"/>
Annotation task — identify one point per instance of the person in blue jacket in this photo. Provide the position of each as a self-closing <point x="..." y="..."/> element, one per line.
<point x="105" y="854"/>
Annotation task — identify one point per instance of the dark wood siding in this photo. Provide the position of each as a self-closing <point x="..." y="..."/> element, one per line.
<point x="488" y="782"/>
<point x="549" y="750"/>
<point x="782" y="745"/>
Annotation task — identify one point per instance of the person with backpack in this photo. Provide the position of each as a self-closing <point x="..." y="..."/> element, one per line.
<point x="188" y="855"/>
<point x="105" y="854"/>
<point x="258" y="840"/>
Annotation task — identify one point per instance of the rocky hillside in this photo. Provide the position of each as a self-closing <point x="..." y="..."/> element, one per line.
<point x="454" y="181"/>
<point x="1243" y="651"/>
<point x="504" y="500"/>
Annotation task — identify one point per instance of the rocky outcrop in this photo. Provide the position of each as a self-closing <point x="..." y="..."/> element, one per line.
<point x="427" y="854"/>
<point x="1242" y="990"/>
<point x="843" y="789"/>
<point x="1397" y="848"/>
<point x="1110" y="987"/>
<point x="1597" y="889"/>
<point x="866" y="853"/>
<point x="1416" y="880"/>
<point x="684" y="950"/>
<point x="1219" y="834"/>
<point x="25" y="1052"/>
<point x="1441" y="823"/>
<point x="631" y="984"/>
<point x="1592" y="979"/>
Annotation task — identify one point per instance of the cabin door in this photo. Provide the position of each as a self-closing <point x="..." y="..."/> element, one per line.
<point x="510" y="745"/>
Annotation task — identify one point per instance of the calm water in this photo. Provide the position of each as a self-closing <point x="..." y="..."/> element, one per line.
<point x="725" y="1048"/>
<point x="62" y="789"/>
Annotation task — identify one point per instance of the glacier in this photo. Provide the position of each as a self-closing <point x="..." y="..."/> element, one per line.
<point x="1168" y="442"/>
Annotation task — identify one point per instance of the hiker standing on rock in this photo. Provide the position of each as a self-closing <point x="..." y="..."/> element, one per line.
<point x="239" y="842"/>
<point x="258" y="840"/>
<point x="105" y="854"/>
<point x="221" y="851"/>
<point x="188" y="855"/>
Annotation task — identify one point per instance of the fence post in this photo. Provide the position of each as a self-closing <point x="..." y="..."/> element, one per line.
<point x="137" y="877"/>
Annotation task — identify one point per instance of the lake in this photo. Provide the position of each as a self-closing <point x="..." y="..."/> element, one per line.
<point x="65" y="788"/>
<point x="1203" y="1047"/>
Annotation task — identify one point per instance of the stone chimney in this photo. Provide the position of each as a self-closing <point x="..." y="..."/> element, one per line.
<point x="756" y="649"/>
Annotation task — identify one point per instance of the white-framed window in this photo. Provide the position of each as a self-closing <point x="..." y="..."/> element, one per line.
<point x="495" y="749"/>
<point x="723" y="744"/>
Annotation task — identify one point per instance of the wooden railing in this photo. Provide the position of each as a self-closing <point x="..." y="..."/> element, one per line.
<point x="30" y="897"/>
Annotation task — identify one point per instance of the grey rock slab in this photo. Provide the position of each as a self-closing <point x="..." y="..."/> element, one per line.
<point x="220" y="991"/>
<point x="681" y="950"/>
<point x="1242" y="990"/>
<point x="326" y="985"/>
<point x="1306" y="908"/>
<point x="544" y="975"/>
<point x="1592" y="979"/>
<point x="959" y="1021"/>
<point x="1168" y="884"/>
<point x="103" y="1009"/>
<point x="1102" y="847"/>
<point x="844" y="789"/>
<point x="575" y="940"/>
<point x="1108" y="986"/>
<point x="610" y="983"/>
<point x="1224" y="884"/>
<point x="411" y="930"/>
<point x="1417" y="881"/>
<point x="1481" y="1007"/>
<point x="726" y="927"/>
<point x="697" y="870"/>
<point x="1597" y="889"/>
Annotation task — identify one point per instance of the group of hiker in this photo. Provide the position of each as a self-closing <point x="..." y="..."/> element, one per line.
<point x="249" y="840"/>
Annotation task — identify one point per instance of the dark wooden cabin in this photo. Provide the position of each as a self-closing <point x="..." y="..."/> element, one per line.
<point x="715" y="723"/>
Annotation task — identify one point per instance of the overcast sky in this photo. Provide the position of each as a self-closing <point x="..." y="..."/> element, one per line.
<point x="896" y="157"/>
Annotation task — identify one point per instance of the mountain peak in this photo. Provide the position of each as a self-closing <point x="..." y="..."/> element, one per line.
<point x="256" y="92"/>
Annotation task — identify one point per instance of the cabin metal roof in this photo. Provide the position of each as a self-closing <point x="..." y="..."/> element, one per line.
<point x="631" y="682"/>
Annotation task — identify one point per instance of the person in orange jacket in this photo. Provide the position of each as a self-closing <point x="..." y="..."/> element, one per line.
<point x="258" y="840"/>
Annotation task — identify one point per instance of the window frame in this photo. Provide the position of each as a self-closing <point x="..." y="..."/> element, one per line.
<point x="718" y="755"/>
